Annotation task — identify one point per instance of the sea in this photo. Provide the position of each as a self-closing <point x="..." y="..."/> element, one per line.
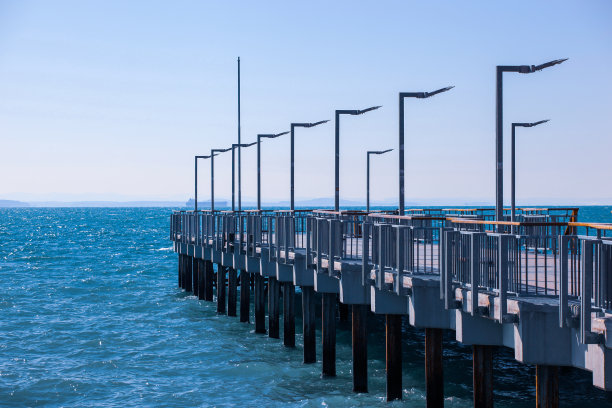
<point x="91" y="316"/>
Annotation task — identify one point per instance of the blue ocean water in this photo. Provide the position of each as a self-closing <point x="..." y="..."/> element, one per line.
<point x="90" y="315"/>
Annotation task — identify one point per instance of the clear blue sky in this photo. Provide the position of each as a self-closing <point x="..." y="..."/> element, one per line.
<point x="112" y="99"/>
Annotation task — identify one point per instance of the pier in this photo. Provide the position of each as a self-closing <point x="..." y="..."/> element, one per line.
<point x="540" y="285"/>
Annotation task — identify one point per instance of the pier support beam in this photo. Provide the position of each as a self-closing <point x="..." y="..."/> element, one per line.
<point x="189" y="274"/>
<point x="260" y="304"/>
<point x="483" y="376"/>
<point x="288" y="314"/>
<point x="209" y="277"/>
<point x="360" y="348"/>
<point x="273" y="308"/>
<point x="232" y="291"/>
<point x="196" y="276"/>
<point x="220" y="289"/>
<point x="181" y="263"/>
<point x="245" y="296"/>
<point x="328" y="320"/>
<point x="201" y="279"/>
<point x="547" y="386"/>
<point x="343" y="311"/>
<point x="393" y="356"/>
<point x="308" y="324"/>
<point x="434" y="378"/>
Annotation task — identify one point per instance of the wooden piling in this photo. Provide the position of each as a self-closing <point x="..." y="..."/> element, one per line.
<point x="483" y="376"/>
<point x="328" y="320"/>
<point x="220" y="289"/>
<point x="547" y="386"/>
<point x="273" y="308"/>
<point x="360" y="348"/>
<point x="189" y="274"/>
<point x="308" y="324"/>
<point x="434" y="379"/>
<point x="288" y="314"/>
<point x="260" y="304"/>
<point x="209" y="277"/>
<point x="245" y="296"/>
<point x="232" y="291"/>
<point x="393" y="357"/>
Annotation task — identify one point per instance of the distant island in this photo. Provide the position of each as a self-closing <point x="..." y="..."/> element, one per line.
<point x="12" y="204"/>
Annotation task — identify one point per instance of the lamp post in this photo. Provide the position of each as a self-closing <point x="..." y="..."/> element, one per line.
<point x="212" y="176"/>
<point x="499" y="130"/>
<point x="513" y="165"/>
<point x="195" y="197"/>
<point x="234" y="146"/>
<point x="337" y="142"/>
<point x="402" y="96"/>
<point x="368" y="175"/>
<point x="259" y="137"/>
<point x="293" y="126"/>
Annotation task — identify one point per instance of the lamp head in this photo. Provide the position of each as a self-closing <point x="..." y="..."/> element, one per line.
<point x="362" y="111"/>
<point x="316" y="123"/>
<point x="437" y="91"/>
<point x="379" y="151"/>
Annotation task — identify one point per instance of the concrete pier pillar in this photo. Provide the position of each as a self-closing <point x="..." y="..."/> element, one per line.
<point x="328" y="320"/>
<point x="220" y="289"/>
<point x="232" y="291"/>
<point x="260" y="304"/>
<point x="189" y="274"/>
<point x="273" y="308"/>
<point x="343" y="312"/>
<point x="393" y="356"/>
<point x="245" y="296"/>
<point x="209" y="277"/>
<point x="434" y="378"/>
<point x="308" y="324"/>
<point x="547" y="386"/>
<point x="483" y="376"/>
<point x="288" y="314"/>
<point x="196" y="275"/>
<point x="360" y="348"/>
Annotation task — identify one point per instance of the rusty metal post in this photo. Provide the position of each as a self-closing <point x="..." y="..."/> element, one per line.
<point x="483" y="376"/>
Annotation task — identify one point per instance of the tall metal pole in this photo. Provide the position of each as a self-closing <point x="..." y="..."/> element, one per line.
<point x="259" y="172"/>
<point x="195" y="198"/>
<point x="512" y="178"/>
<point x="368" y="185"/>
<point x="292" y="202"/>
<point x="239" y="162"/>
<point x="212" y="182"/>
<point x="401" y="154"/>
<point x="499" y="147"/>
<point x="337" y="143"/>
<point x="337" y="165"/>
<point x="233" y="202"/>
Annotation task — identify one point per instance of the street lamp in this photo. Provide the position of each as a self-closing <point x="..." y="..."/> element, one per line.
<point x="499" y="130"/>
<point x="259" y="137"/>
<point x="337" y="164"/>
<point x="234" y="146"/>
<point x="196" y="181"/>
<point x="368" y="175"/>
<point x="212" y="176"/>
<point x="293" y="126"/>
<point x="402" y="95"/>
<point x="512" y="179"/>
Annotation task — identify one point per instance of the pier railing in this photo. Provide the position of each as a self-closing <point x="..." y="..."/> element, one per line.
<point x="546" y="254"/>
